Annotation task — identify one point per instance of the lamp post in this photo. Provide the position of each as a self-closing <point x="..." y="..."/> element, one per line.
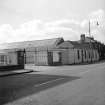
<point x="97" y="23"/>
<point x="90" y="39"/>
<point x="89" y="29"/>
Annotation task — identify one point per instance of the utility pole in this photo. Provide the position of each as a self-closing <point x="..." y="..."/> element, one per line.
<point x="89" y="29"/>
<point x="90" y="39"/>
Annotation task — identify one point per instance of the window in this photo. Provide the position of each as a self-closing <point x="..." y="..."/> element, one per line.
<point x="93" y="54"/>
<point x="89" y="54"/>
<point x="55" y="56"/>
<point x="85" y="54"/>
<point x="96" y="55"/>
<point x="78" y="54"/>
<point x="3" y="59"/>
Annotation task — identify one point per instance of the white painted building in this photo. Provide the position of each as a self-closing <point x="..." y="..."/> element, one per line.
<point x="76" y="53"/>
<point x="54" y="51"/>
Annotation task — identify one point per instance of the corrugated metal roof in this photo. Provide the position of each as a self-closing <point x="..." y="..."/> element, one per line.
<point x="35" y="43"/>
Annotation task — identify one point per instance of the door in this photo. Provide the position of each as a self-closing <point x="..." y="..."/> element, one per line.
<point x="20" y="57"/>
<point x="50" y="58"/>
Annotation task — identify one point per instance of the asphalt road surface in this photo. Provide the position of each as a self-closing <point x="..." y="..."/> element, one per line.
<point x="62" y="85"/>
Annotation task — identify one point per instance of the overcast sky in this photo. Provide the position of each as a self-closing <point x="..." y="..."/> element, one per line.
<point x="39" y="19"/>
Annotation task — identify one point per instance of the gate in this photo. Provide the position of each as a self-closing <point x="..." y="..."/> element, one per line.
<point x="20" y="58"/>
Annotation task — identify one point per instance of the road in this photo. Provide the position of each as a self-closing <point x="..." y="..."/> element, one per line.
<point x="62" y="85"/>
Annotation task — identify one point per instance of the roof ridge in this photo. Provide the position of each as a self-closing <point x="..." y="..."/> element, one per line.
<point x="30" y="40"/>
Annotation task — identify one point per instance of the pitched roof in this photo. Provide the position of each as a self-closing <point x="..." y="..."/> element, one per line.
<point x="76" y="44"/>
<point x="73" y="44"/>
<point x="65" y="44"/>
<point x="35" y="43"/>
<point x="2" y="52"/>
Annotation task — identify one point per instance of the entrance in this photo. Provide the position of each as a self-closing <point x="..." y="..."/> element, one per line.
<point x="20" y="58"/>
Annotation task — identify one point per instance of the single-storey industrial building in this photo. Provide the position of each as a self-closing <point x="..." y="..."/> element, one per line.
<point x="54" y="51"/>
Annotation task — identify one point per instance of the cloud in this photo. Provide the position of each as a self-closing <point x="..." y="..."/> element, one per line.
<point x="67" y="33"/>
<point x="30" y="28"/>
<point x="37" y="29"/>
<point x="97" y="15"/>
<point x="63" y="23"/>
<point x="6" y="33"/>
<point x="94" y="17"/>
<point x="98" y="31"/>
<point x="70" y="29"/>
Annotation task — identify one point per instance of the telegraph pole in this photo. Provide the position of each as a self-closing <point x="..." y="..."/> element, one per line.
<point x="89" y="29"/>
<point x="90" y="39"/>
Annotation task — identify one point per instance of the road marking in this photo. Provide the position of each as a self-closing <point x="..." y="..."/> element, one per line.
<point x="81" y="73"/>
<point x="49" y="82"/>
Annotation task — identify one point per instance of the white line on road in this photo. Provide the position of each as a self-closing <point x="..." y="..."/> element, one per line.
<point x="81" y="73"/>
<point x="49" y="82"/>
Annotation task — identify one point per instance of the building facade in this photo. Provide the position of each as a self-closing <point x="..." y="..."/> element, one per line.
<point x="54" y="51"/>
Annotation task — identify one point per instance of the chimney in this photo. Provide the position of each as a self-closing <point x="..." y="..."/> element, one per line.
<point x="82" y="38"/>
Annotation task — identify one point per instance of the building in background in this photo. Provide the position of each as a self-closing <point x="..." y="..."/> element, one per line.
<point x="94" y="44"/>
<point x="3" y="58"/>
<point x="76" y="53"/>
<point x="54" y="51"/>
<point x="38" y="52"/>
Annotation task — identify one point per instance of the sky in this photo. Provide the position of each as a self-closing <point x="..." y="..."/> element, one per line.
<point x="22" y="20"/>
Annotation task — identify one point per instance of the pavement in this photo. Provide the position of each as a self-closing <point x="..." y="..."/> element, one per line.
<point x="15" y="72"/>
<point x="88" y="89"/>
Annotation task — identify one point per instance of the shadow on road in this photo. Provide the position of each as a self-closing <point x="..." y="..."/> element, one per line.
<point x="15" y="87"/>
